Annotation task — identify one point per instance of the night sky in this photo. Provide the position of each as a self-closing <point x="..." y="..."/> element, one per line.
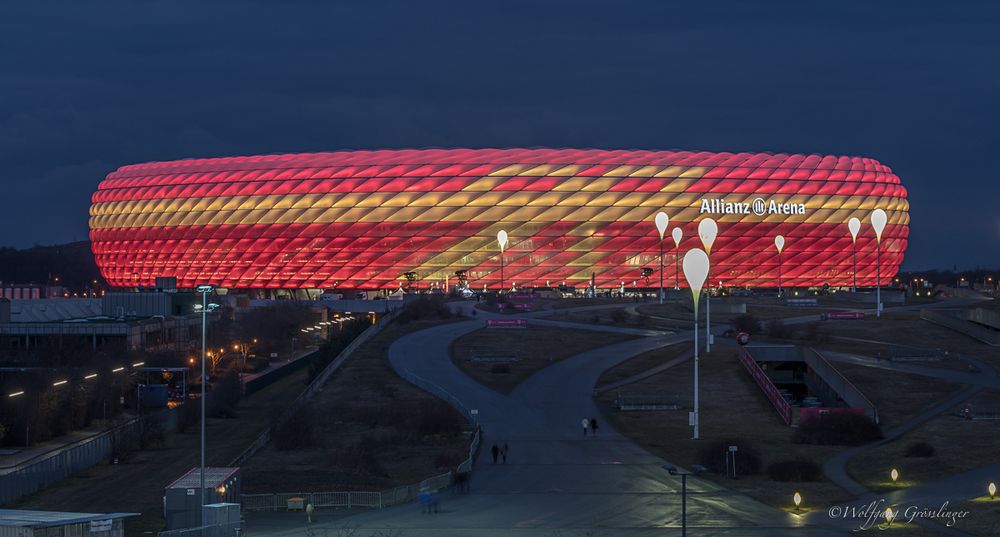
<point x="88" y="86"/>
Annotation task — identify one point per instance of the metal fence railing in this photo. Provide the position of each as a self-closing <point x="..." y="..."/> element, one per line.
<point x="36" y="473"/>
<point x="233" y="529"/>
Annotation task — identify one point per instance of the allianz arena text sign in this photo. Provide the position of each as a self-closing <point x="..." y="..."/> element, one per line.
<point x="757" y="206"/>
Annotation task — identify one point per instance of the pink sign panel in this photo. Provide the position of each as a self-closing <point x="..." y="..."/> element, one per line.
<point x="506" y="323"/>
<point x="835" y="315"/>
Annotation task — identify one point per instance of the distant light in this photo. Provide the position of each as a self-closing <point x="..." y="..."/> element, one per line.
<point x="894" y="474"/>
<point x="890" y="515"/>
<point x="60" y="383"/>
<point x="797" y="499"/>
<point x="118" y="369"/>
<point x="138" y="364"/>
<point x="15" y="394"/>
<point x="90" y="376"/>
<point x="992" y="488"/>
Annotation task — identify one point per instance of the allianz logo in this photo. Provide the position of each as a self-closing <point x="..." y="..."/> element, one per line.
<point x="759" y="207"/>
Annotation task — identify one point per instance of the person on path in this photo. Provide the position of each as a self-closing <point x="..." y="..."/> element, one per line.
<point x="586" y="424"/>
<point x="503" y="453"/>
<point x="495" y="450"/>
<point x="593" y="426"/>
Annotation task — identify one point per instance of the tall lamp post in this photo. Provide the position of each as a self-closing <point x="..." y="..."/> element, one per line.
<point x="502" y="240"/>
<point x="707" y="231"/>
<point x="779" y="243"/>
<point x="662" y="220"/>
<point x="879" y="219"/>
<point x="677" y="234"/>
<point x="205" y="308"/>
<point x="672" y="470"/>
<point x="854" y="226"/>
<point x="696" y="272"/>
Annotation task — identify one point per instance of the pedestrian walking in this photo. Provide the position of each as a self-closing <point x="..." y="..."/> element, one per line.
<point x="435" y="500"/>
<point x="593" y="426"/>
<point x="424" y="499"/>
<point x="495" y="450"/>
<point x="503" y="453"/>
<point x="586" y="425"/>
<point x="462" y="482"/>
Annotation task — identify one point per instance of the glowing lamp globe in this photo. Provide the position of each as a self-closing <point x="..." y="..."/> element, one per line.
<point x="677" y="235"/>
<point x="502" y="239"/>
<point x="854" y="226"/>
<point x="797" y="500"/>
<point x="879" y="219"/>
<point x="662" y="220"/>
<point x="894" y="474"/>
<point x="992" y="489"/>
<point x="707" y="231"/>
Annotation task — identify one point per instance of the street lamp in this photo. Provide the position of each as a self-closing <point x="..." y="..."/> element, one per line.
<point x="854" y="226"/>
<point x="879" y="220"/>
<point x="707" y="231"/>
<point x="662" y="220"/>
<point x="672" y="470"/>
<point x="677" y="234"/>
<point x="695" y="272"/>
<point x="502" y="240"/>
<point x="779" y="243"/>
<point x="205" y="308"/>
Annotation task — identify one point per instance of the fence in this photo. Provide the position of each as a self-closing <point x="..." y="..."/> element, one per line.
<point x="38" y="472"/>
<point x="314" y="387"/>
<point x="781" y="406"/>
<point x="219" y="530"/>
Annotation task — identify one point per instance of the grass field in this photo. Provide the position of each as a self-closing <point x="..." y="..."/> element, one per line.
<point x="959" y="445"/>
<point x="137" y="486"/>
<point x="732" y="408"/>
<point x="535" y="347"/>
<point x="373" y="431"/>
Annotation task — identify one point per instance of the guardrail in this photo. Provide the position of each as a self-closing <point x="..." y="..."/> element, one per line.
<point x="852" y="396"/>
<point x="47" y="468"/>
<point x="779" y="403"/>
<point x="314" y="386"/>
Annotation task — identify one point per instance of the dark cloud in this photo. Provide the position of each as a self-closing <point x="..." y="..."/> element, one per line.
<point x="88" y="86"/>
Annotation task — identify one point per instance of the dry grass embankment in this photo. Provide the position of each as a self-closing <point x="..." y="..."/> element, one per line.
<point x="535" y="347"/>
<point x="368" y="429"/>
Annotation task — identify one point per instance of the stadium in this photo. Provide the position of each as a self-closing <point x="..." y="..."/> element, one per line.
<point x="371" y="220"/>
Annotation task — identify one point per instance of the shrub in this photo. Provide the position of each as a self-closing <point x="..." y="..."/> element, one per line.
<point x="841" y="428"/>
<point x="425" y="308"/>
<point x="746" y="323"/>
<point x="778" y="329"/>
<point x="713" y="456"/>
<point x="295" y="432"/>
<point x="797" y="469"/>
<point x="814" y="332"/>
<point x="919" y="449"/>
<point x="225" y="395"/>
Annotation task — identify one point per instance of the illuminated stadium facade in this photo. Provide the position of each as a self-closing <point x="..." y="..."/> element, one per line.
<point x="364" y="219"/>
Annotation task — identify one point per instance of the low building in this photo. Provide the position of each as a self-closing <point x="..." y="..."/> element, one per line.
<point x="22" y="523"/>
<point x="182" y="500"/>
